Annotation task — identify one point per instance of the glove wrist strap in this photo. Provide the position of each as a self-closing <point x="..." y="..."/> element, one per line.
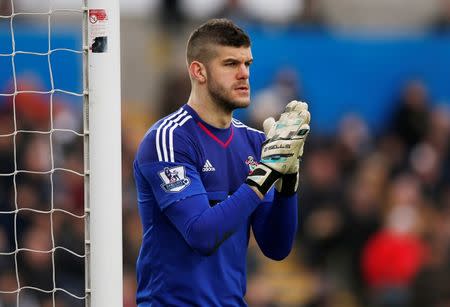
<point x="290" y="184"/>
<point x="263" y="178"/>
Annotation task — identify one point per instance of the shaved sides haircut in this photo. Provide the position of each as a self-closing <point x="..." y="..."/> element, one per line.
<point x="215" y="32"/>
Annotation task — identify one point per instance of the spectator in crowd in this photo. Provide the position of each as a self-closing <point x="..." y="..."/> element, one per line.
<point x="442" y="24"/>
<point x="410" y="121"/>
<point x="393" y="256"/>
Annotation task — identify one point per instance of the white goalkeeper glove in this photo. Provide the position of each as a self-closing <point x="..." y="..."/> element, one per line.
<point x="288" y="183"/>
<point x="282" y="147"/>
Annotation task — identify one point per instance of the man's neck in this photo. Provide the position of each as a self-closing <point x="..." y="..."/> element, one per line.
<point x="210" y="112"/>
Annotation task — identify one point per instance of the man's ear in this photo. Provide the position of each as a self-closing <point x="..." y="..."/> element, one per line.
<point x="197" y="71"/>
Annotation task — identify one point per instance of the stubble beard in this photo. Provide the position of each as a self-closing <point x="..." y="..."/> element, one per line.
<point x="221" y="97"/>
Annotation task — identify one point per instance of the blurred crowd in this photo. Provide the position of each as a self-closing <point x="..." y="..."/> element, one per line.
<point x="347" y="13"/>
<point x="374" y="215"/>
<point x="401" y="13"/>
<point x="41" y="211"/>
<point x="374" y="207"/>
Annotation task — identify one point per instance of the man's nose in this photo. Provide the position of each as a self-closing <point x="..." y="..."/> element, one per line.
<point x="244" y="72"/>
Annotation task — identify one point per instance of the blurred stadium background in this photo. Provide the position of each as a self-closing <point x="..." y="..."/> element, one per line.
<point x="375" y="195"/>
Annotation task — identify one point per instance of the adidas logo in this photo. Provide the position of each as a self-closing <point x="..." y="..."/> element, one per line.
<point x="208" y="167"/>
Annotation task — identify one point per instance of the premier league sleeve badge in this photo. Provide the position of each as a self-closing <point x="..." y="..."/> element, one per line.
<point x="174" y="179"/>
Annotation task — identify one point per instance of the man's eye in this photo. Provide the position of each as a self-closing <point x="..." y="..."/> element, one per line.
<point x="230" y="64"/>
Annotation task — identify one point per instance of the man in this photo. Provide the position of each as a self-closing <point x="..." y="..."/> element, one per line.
<point x="200" y="187"/>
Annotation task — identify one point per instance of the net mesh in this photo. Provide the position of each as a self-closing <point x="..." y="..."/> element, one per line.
<point x="42" y="213"/>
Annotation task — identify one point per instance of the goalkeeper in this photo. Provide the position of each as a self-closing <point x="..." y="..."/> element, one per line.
<point x="200" y="185"/>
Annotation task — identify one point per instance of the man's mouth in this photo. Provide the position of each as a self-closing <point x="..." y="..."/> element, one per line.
<point x="242" y="88"/>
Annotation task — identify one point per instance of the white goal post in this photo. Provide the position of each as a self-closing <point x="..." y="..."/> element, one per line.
<point x="102" y="125"/>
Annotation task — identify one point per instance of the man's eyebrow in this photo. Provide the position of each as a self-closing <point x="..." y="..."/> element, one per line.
<point x="230" y="60"/>
<point x="236" y="60"/>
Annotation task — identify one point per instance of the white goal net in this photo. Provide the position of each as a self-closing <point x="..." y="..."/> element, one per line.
<point x="50" y="184"/>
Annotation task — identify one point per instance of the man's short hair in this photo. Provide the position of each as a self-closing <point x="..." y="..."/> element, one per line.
<point x="222" y="32"/>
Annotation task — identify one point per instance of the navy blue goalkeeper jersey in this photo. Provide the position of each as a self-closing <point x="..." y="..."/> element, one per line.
<point x="180" y="157"/>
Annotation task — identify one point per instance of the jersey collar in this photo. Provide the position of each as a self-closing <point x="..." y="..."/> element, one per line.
<point x="222" y="136"/>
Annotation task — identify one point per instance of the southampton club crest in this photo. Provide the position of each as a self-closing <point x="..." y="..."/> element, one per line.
<point x="174" y="179"/>
<point x="252" y="164"/>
